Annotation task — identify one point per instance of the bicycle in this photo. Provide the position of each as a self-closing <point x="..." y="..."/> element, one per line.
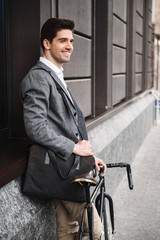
<point x="100" y="201"/>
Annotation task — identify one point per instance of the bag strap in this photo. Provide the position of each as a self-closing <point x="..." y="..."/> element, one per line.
<point x="72" y="169"/>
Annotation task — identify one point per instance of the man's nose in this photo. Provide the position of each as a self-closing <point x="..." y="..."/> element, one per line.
<point x="69" y="45"/>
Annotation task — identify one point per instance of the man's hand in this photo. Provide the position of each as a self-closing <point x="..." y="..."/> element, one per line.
<point x="83" y="148"/>
<point x="99" y="162"/>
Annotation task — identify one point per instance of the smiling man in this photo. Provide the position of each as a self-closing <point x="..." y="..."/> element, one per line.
<point x="47" y="121"/>
<point x="60" y="49"/>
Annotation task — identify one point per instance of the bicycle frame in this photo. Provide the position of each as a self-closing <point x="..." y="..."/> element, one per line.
<point x="100" y="199"/>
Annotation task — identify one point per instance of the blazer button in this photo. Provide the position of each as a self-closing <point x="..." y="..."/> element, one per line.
<point x="77" y="135"/>
<point x="75" y="114"/>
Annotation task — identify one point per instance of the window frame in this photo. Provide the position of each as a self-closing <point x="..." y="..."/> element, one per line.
<point x="3" y="74"/>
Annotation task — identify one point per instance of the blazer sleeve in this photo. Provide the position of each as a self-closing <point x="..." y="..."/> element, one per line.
<point x="35" y="93"/>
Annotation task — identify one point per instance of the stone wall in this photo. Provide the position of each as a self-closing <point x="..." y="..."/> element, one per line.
<point x="117" y="139"/>
<point x="23" y="218"/>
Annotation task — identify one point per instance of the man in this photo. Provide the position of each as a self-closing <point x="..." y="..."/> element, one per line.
<point x="48" y="123"/>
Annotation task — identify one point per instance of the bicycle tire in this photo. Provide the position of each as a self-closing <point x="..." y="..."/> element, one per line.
<point x="105" y="228"/>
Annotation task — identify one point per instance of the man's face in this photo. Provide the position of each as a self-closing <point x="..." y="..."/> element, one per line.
<point x="61" y="48"/>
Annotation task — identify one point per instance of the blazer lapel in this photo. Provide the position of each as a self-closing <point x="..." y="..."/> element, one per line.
<point x="62" y="86"/>
<point x="53" y="74"/>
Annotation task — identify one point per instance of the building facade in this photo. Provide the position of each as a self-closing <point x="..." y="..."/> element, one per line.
<point x="110" y="75"/>
<point x="156" y="26"/>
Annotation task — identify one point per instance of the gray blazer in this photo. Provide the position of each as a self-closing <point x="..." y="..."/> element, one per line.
<point x="46" y="117"/>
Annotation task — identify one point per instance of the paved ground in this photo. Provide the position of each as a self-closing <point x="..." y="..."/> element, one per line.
<point x="137" y="212"/>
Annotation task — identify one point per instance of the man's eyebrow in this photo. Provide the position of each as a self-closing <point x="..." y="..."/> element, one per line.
<point x="72" y="39"/>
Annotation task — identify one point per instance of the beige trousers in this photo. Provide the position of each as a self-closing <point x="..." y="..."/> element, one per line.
<point x="69" y="216"/>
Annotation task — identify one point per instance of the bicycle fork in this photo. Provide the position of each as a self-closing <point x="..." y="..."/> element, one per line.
<point x="100" y="205"/>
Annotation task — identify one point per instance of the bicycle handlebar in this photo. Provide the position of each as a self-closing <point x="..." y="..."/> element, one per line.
<point x="128" y="168"/>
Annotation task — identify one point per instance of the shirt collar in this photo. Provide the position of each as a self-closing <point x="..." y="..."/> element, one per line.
<point x="51" y="65"/>
<point x="58" y="71"/>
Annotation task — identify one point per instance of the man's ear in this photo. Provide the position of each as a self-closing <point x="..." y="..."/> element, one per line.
<point x="46" y="44"/>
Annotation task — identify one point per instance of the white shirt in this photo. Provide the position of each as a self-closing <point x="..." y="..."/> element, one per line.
<point x="58" y="71"/>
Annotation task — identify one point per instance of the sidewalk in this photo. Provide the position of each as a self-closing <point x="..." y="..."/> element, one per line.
<point x="137" y="211"/>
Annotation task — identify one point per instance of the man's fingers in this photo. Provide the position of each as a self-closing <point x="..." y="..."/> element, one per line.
<point x="98" y="163"/>
<point x="83" y="148"/>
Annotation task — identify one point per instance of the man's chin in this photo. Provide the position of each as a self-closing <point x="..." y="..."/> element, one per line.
<point x="66" y="60"/>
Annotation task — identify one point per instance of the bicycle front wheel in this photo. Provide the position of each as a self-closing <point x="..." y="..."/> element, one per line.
<point x="106" y="225"/>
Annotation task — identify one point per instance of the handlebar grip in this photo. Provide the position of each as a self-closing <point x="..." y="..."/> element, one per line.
<point x="129" y="174"/>
<point x="101" y="169"/>
<point x="128" y="168"/>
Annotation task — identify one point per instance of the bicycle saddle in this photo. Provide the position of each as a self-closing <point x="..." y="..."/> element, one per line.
<point x="85" y="178"/>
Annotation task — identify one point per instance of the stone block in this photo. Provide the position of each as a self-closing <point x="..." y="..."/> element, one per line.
<point x="80" y="64"/>
<point x="119" y="32"/>
<point x="139" y="24"/>
<point x="138" y="83"/>
<point x="119" y="60"/>
<point x="118" y="88"/>
<point x="149" y="85"/>
<point x="139" y="43"/>
<point x="150" y="35"/>
<point x="150" y="18"/>
<point x="139" y="6"/>
<point x="83" y="95"/>
<point x="79" y="12"/>
<point x="138" y="63"/>
<point x="149" y="65"/>
<point x="120" y="9"/>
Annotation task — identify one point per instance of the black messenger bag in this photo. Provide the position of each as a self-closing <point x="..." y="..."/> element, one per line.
<point x="49" y="176"/>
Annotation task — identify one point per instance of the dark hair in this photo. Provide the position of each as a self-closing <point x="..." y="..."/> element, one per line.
<point x="52" y="26"/>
